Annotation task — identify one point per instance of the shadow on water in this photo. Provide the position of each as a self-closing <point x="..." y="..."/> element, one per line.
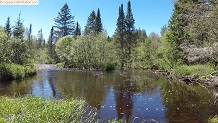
<point x="131" y="95"/>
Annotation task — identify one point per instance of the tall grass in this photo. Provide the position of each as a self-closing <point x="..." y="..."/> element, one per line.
<point x="37" y="110"/>
<point x="193" y="70"/>
<point x="15" y="71"/>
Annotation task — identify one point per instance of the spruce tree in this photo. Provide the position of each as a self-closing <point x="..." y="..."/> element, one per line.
<point x="8" y="27"/>
<point x="64" y="22"/>
<point x="19" y="29"/>
<point x="90" y="23"/>
<point x="177" y="34"/>
<point x="77" y="30"/>
<point x="129" y="21"/>
<point x="98" y="25"/>
<point x="50" y="45"/>
<point x="30" y="36"/>
<point x="120" y="31"/>
<point x="40" y="39"/>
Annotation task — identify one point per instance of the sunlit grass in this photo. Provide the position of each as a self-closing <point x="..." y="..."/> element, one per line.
<point x="193" y="70"/>
<point x="37" y="110"/>
<point x="15" y="71"/>
<point x="213" y="119"/>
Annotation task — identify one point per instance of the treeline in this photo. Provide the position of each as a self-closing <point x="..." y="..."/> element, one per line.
<point x="192" y="25"/>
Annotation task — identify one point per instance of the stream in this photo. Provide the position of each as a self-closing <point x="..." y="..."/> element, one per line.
<point x="132" y="95"/>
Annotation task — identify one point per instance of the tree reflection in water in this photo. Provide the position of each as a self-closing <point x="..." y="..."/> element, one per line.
<point x="188" y="103"/>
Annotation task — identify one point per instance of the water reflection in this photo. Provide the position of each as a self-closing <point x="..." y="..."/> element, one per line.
<point x="188" y="103"/>
<point x="127" y="95"/>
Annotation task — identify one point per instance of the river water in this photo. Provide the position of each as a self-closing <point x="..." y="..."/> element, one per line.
<point x="132" y="95"/>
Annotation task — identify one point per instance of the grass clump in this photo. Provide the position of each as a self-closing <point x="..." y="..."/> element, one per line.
<point x="213" y="119"/>
<point x="37" y="110"/>
<point x="193" y="70"/>
<point x="60" y="64"/>
<point x="15" y="71"/>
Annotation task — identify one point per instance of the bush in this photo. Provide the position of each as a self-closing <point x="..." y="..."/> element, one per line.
<point x="15" y="71"/>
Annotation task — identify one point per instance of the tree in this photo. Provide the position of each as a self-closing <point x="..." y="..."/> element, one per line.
<point x="8" y="27"/>
<point x="19" y="29"/>
<point x="129" y="21"/>
<point x="98" y="25"/>
<point x="30" y="36"/>
<point x="77" y="30"/>
<point x="177" y="34"/>
<point x="64" y="22"/>
<point x="120" y="31"/>
<point x="90" y="23"/>
<point x="163" y="30"/>
<point x="63" y="48"/>
<point x="40" y="39"/>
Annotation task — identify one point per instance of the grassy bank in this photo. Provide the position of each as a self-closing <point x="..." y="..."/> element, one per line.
<point x="15" y="72"/>
<point x="37" y="110"/>
<point x="193" y="70"/>
<point x="213" y="119"/>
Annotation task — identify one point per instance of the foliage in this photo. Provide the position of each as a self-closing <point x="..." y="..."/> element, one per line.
<point x="63" y="49"/>
<point x="77" y="30"/>
<point x="18" y="31"/>
<point x="98" y="25"/>
<point x="37" y="110"/>
<point x="193" y="70"/>
<point x="86" y="52"/>
<point x="8" y="27"/>
<point x="64" y="22"/>
<point x="213" y="119"/>
<point x="90" y="23"/>
<point x="15" y="71"/>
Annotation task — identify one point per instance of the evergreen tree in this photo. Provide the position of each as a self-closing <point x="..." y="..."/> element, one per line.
<point x="64" y="22"/>
<point x="19" y="29"/>
<point x="163" y="30"/>
<point x="40" y="39"/>
<point x="77" y="31"/>
<point x="50" y="44"/>
<point x="8" y="27"/>
<point x="177" y="34"/>
<point x="98" y="25"/>
<point x="30" y="36"/>
<point x="129" y="21"/>
<point x="120" y="30"/>
<point x="90" y="23"/>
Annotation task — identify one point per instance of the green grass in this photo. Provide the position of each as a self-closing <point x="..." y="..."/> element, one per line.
<point x="37" y="110"/>
<point x="60" y="64"/>
<point x="15" y="71"/>
<point x="213" y="119"/>
<point x="193" y="70"/>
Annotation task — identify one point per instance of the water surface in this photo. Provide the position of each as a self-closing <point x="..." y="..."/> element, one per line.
<point x="131" y="95"/>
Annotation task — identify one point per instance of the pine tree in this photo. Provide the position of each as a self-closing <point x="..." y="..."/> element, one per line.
<point x="177" y="34"/>
<point x="64" y="22"/>
<point x="30" y="36"/>
<point x="98" y="25"/>
<point x="19" y="29"/>
<point x="129" y="21"/>
<point x="8" y="27"/>
<point x="90" y="23"/>
<point x="120" y="31"/>
<point x="77" y="31"/>
<point x="50" y="44"/>
<point x="40" y="39"/>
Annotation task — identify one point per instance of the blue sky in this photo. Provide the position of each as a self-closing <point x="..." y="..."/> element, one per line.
<point x="150" y="15"/>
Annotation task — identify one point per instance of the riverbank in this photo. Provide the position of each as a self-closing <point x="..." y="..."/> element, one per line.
<point x="205" y="75"/>
<point x="35" y="110"/>
<point x="10" y="72"/>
